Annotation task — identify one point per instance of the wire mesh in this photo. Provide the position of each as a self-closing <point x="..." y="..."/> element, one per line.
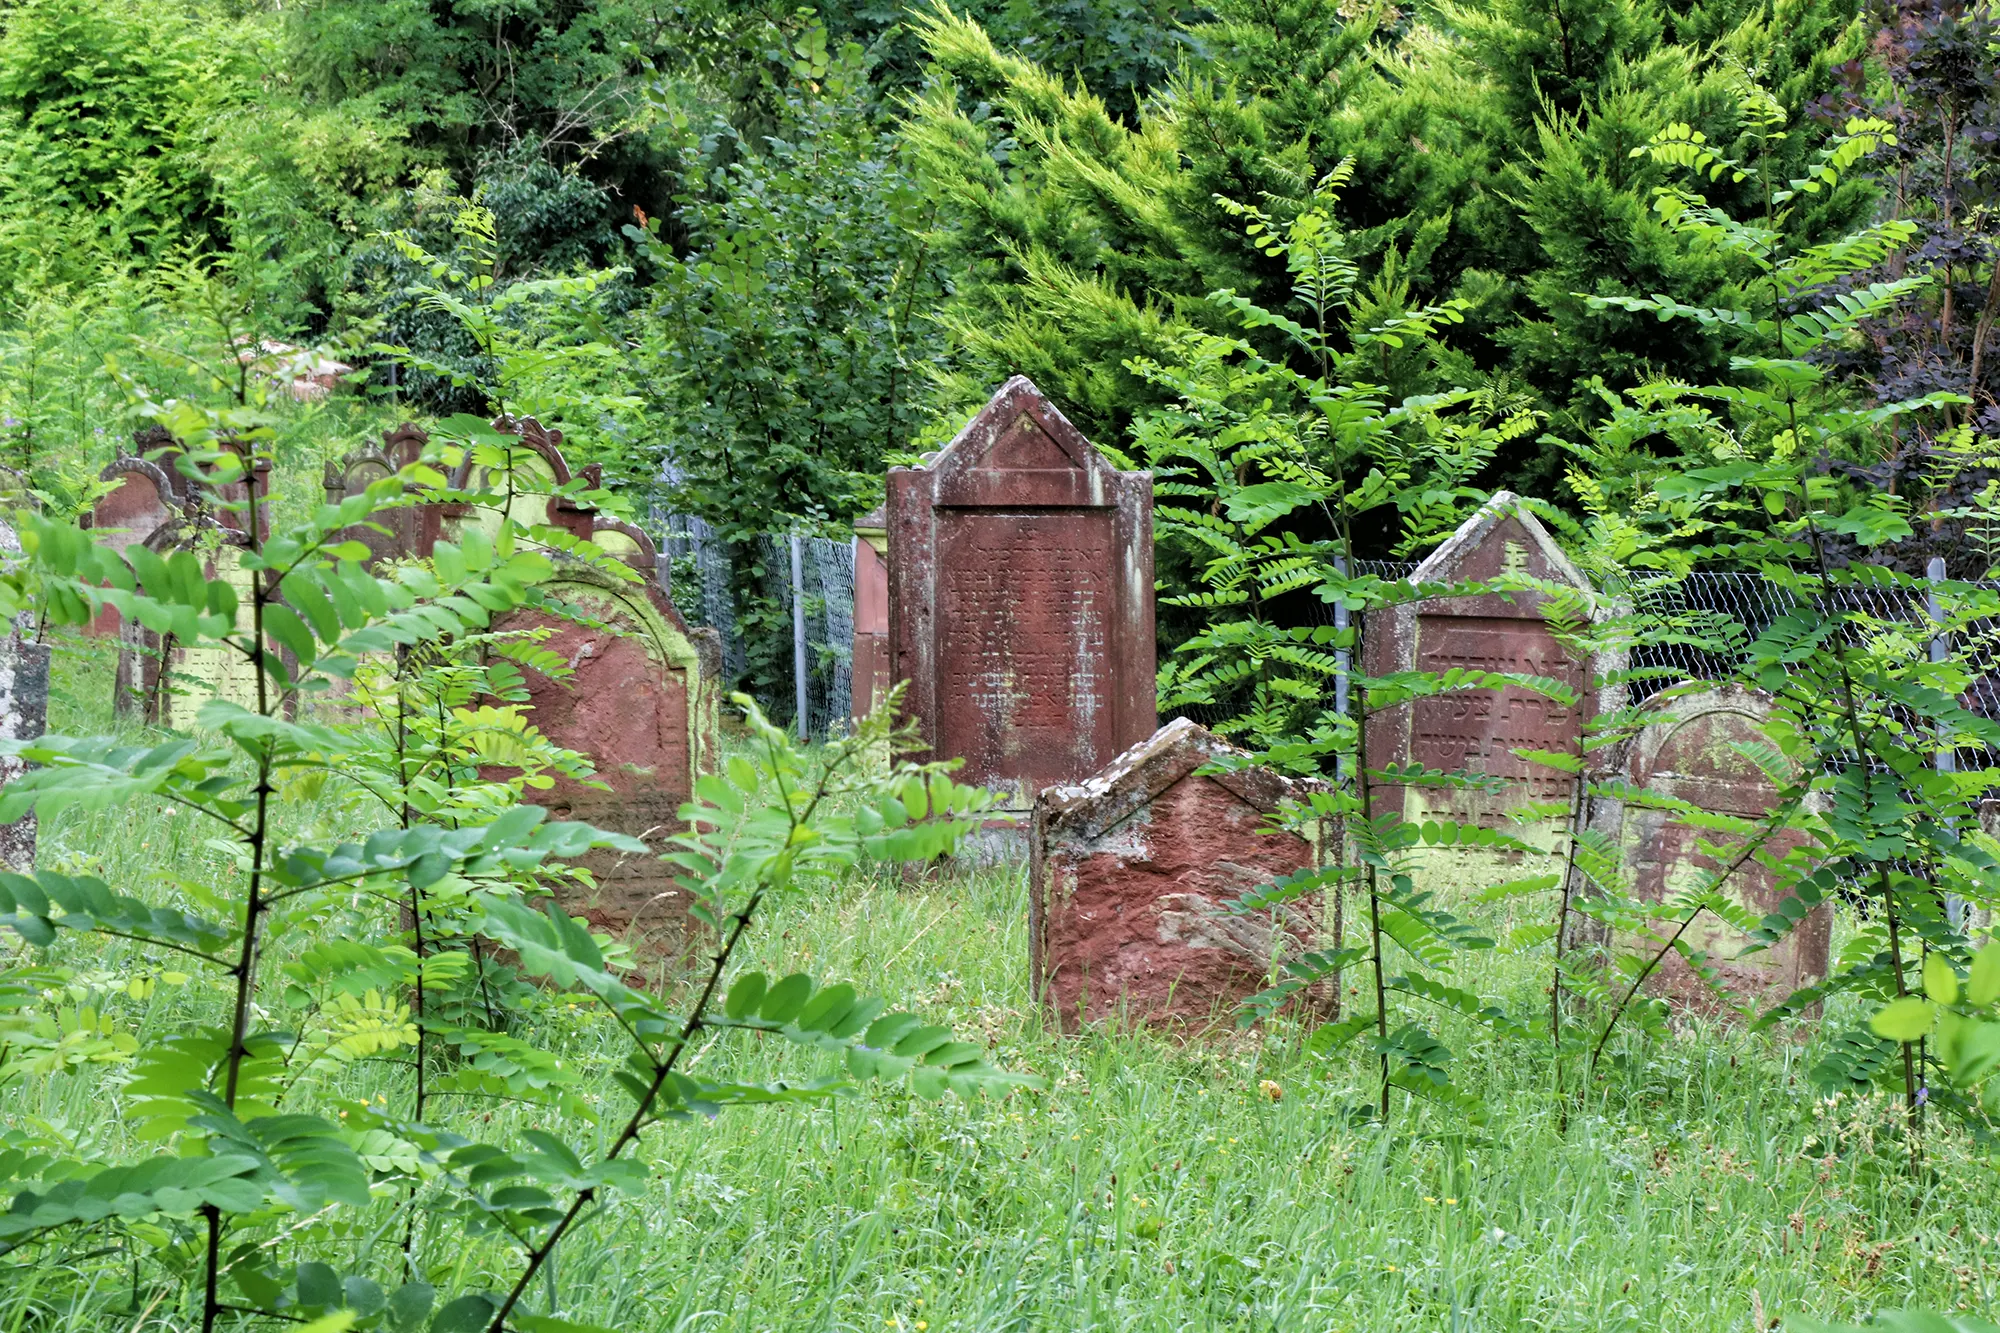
<point x="827" y="576"/>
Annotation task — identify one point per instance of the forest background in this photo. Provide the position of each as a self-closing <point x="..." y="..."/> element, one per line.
<point x="816" y="238"/>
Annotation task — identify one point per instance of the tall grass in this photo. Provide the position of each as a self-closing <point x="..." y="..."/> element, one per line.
<point x="1156" y="1184"/>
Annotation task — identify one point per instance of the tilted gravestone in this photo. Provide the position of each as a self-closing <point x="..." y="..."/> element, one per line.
<point x="1129" y="871"/>
<point x="1480" y="731"/>
<point x="1692" y="754"/>
<point x="643" y="701"/>
<point x="24" y="711"/>
<point x="1021" y="599"/>
<point x="870" y="659"/>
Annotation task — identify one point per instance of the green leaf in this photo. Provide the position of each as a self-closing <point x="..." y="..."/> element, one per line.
<point x="409" y="1305"/>
<point x="745" y="995"/>
<point x="1940" y="981"/>
<point x="470" y="1313"/>
<point x="784" y="1001"/>
<point x="1983" y="987"/>
<point x="1905" y="1020"/>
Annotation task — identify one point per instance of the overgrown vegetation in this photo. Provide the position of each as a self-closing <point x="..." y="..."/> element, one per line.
<point x="296" y="1029"/>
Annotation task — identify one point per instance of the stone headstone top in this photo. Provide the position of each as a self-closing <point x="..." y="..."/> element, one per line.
<point x="1128" y="783"/>
<point x="1695" y="752"/>
<point x="1505" y="628"/>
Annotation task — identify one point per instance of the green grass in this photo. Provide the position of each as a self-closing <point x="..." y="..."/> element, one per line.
<point x="1155" y="1185"/>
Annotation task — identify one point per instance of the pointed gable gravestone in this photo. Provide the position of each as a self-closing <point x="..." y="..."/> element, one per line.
<point x="1479" y="731"/>
<point x="1130" y="869"/>
<point x="1692" y="754"/>
<point x="1021" y="599"/>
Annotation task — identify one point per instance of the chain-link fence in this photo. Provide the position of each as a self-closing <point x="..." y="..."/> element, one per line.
<point x="814" y="611"/>
<point x="1700" y="625"/>
<point x="812" y="580"/>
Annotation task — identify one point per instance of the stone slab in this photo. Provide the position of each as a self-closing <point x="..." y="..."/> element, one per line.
<point x="870" y="673"/>
<point x="1690" y="754"/>
<point x="1128" y="872"/>
<point x="24" y="712"/>
<point x="1480" y="730"/>
<point x="1020" y="589"/>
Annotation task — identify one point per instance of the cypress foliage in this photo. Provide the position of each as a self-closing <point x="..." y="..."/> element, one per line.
<point x="1493" y="145"/>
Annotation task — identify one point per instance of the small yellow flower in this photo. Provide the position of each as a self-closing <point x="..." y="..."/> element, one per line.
<point x="1451" y="1201"/>
<point x="1429" y="1199"/>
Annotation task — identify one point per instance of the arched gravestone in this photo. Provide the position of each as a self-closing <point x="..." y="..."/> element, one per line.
<point x="1691" y="754"/>
<point x="411" y="530"/>
<point x="643" y="701"/>
<point x="153" y="505"/>
<point x="1479" y="731"/>
<point x="1129" y="871"/>
<point x="1021" y="599"/>
<point x="634" y="706"/>
<point x="538" y="453"/>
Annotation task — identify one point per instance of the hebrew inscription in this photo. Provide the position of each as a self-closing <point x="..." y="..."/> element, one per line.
<point x="1023" y="622"/>
<point x="1479" y="730"/>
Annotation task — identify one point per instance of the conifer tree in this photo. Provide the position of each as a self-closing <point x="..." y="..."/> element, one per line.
<point x="1492" y="142"/>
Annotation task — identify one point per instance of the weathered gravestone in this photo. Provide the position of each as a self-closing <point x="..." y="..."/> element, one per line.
<point x="154" y="505"/>
<point x="24" y="711"/>
<point x="1021" y="599"/>
<point x="1479" y="731"/>
<point x="870" y="671"/>
<point x="1691" y="754"/>
<point x="642" y="702"/>
<point x="537" y="469"/>
<point x="1129" y="871"/>
<point x="405" y="532"/>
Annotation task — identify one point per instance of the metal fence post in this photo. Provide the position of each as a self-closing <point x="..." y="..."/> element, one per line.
<point x="1947" y="758"/>
<point x="799" y="635"/>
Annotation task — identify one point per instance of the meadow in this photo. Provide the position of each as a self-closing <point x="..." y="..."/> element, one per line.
<point x="1156" y="1183"/>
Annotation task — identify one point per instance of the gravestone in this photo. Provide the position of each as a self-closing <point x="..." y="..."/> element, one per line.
<point x="1691" y="754"/>
<point x="154" y="505"/>
<point x="1479" y="731"/>
<point x="1021" y="600"/>
<point x="538" y="467"/>
<point x="1129" y="870"/>
<point x="411" y="530"/>
<point x="24" y="711"/>
<point x="149" y="506"/>
<point x="643" y="702"/>
<point x="870" y="659"/>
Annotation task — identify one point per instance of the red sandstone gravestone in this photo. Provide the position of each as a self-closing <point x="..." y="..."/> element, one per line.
<point x="1129" y="871"/>
<point x="1021" y="599"/>
<point x="642" y="702"/>
<point x="1479" y="731"/>
<point x="1692" y="754"/>
<point x="154" y="505"/>
<point x="405" y="532"/>
<point x="870" y="669"/>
